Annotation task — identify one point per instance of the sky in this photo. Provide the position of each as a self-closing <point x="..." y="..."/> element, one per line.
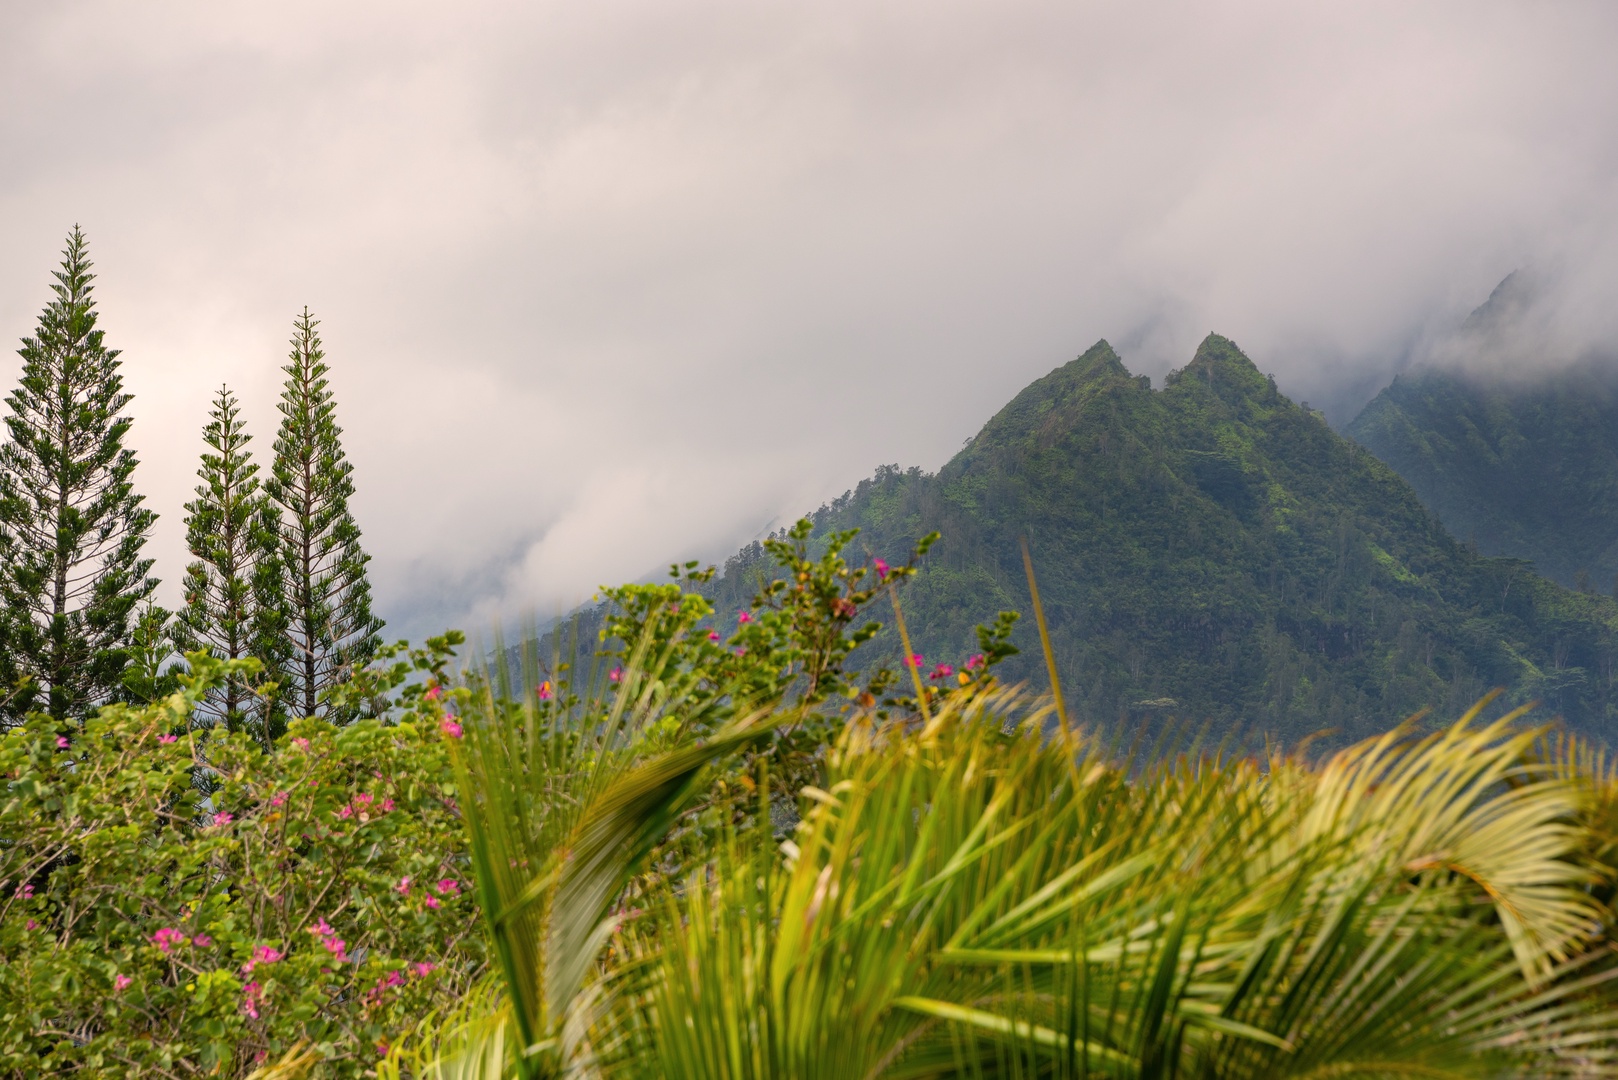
<point x="608" y="285"/>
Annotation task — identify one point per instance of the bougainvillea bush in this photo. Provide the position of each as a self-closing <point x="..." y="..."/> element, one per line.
<point x="176" y="901"/>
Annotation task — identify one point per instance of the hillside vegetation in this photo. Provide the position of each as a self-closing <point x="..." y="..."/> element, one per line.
<point x="1522" y="469"/>
<point x="1214" y="551"/>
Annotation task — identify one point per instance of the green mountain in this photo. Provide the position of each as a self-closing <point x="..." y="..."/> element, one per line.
<point x="1527" y="469"/>
<point x="1215" y="551"/>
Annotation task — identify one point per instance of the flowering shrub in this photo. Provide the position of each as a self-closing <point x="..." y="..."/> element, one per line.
<point x="177" y="902"/>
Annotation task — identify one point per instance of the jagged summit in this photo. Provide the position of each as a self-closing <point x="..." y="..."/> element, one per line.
<point x="1216" y="544"/>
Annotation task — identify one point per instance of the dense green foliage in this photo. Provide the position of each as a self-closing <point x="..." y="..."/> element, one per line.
<point x="318" y="895"/>
<point x="1525" y="469"/>
<point x="71" y="525"/>
<point x="234" y="588"/>
<point x="1214" y="551"/>
<point x="325" y="593"/>
<point x="970" y="889"/>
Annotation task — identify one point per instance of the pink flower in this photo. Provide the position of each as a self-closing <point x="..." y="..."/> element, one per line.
<point x="120" y="983"/>
<point x="615" y="675"/>
<point x="403" y="888"/>
<point x="432" y="902"/>
<point x="382" y="1048"/>
<point x="741" y="650"/>
<point x="387" y="806"/>
<point x="450" y="727"/>
<point x="322" y="929"/>
<point x="448" y="887"/>
<point x="301" y="743"/>
<point x="264" y="954"/>
<point x="544" y="691"/>
<point x="434" y="692"/>
<point x="166" y="739"/>
<point x="250" y="998"/>
<point x="61" y="742"/>
<point x="744" y="617"/>
<point x="975" y="662"/>
<point x="168" y="937"/>
<point x="337" y="947"/>
<point x="346" y="812"/>
<point x="25" y="892"/>
<point x="202" y="941"/>
<point x="32" y="925"/>
<point x="915" y="661"/>
<point x="364" y="798"/>
<point x="223" y="818"/>
<point x="713" y="635"/>
<point x="942" y="671"/>
<point x="881" y="568"/>
<point x="423" y="968"/>
<point x="278" y="799"/>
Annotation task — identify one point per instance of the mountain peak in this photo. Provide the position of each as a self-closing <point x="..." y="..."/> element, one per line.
<point x="1222" y="366"/>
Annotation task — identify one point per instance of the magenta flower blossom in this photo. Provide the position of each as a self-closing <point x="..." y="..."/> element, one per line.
<point x="423" y="968"/>
<point x="168" y="937"/>
<point x="202" y="941"/>
<point x="915" y="661"/>
<point x="432" y="902"/>
<point x="264" y="954"/>
<point x="166" y="739"/>
<point x="222" y="818"/>
<point x="881" y="568"/>
<point x="120" y="983"/>
<point x="450" y="727"/>
<point x="250" y="999"/>
<point x="32" y="925"/>
<point x="346" y="812"/>
<point x="448" y="887"/>
<point x="387" y="805"/>
<point x="403" y="888"/>
<point x="364" y="798"/>
<point x="278" y="799"/>
<point x="61" y="742"/>
<point x="301" y="743"/>
<point x="615" y="675"/>
<point x="741" y="650"/>
<point x="942" y="671"/>
<point x="25" y="892"/>
<point x="434" y="692"/>
<point x="744" y="617"/>
<point x="544" y="691"/>
<point x="975" y="662"/>
<point x="713" y="635"/>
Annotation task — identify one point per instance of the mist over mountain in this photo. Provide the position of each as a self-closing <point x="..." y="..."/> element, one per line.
<point x="1215" y="551"/>
<point x="1513" y="451"/>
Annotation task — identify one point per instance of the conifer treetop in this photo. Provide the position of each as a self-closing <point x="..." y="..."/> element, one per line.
<point x="328" y="596"/>
<point x="71" y="523"/>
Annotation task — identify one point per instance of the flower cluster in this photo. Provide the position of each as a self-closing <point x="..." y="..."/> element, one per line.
<point x="364" y="806"/>
<point x="168" y="937"/>
<point x="330" y="941"/>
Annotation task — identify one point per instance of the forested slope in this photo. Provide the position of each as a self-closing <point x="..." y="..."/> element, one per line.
<point x="1214" y="551"/>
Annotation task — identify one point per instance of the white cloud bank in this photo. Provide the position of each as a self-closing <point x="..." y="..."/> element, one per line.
<point x="607" y="285"/>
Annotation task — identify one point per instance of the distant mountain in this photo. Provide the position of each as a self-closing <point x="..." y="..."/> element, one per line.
<point x="1522" y="466"/>
<point x="1213" y="550"/>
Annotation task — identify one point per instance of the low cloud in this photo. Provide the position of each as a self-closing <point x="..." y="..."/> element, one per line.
<point x="608" y="285"/>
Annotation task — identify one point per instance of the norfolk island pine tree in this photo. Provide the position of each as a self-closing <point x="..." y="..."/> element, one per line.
<point x="329" y="627"/>
<point x="71" y="526"/>
<point x="234" y="599"/>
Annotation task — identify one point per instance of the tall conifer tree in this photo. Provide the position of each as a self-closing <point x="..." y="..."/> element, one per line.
<point x="329" y="627"/>
<point x="71" y="525"/>
<point x="233" y="590"/>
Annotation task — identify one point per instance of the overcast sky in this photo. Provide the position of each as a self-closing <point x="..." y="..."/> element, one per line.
<point x="608" y="284"/>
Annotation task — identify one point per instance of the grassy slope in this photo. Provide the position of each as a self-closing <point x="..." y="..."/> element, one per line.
<point x="1216" y="551"/>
